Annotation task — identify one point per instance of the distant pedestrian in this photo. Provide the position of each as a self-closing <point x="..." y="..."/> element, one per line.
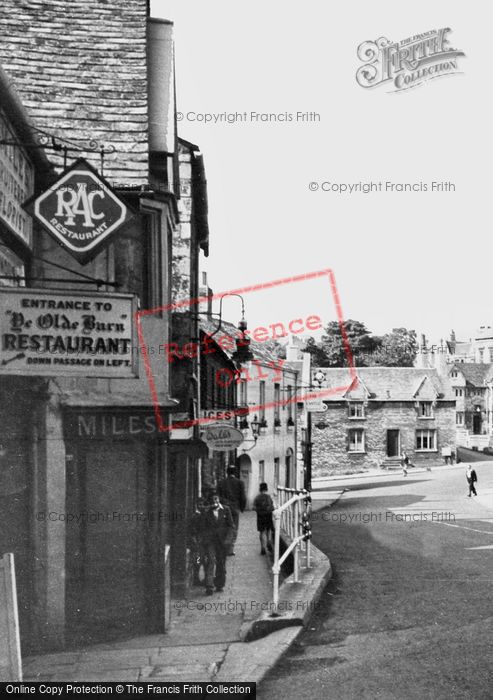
<point x="471" y="480"/>
<point x="232" y="493"/>
<point x="218" y="529"/>
<point x="404" y="463"/>
<point x="264" y="505"/>
<point x="198" y="550"/>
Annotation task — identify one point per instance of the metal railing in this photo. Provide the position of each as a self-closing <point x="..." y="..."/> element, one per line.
<point x="292" y="518"/>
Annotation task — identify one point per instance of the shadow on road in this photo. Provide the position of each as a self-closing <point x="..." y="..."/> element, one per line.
<point x="384" y="484"/>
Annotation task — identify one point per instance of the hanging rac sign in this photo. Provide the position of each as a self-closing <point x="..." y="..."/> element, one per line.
<point x="80" y="210"/>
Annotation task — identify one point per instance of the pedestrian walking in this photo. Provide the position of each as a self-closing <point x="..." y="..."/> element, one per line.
<point x="198" y="551"/>
<point x="218" y="530"/>
<point x="264" y="505"/>
<point x="471" y="480"/>
<point x="404" y="463"/>
<point x="232" y="493"/>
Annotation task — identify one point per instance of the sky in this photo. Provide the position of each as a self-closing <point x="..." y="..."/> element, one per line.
<point x="416" y="259"/>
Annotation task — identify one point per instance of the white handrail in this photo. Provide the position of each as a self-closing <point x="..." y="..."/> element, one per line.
<point x="287" y="518"/>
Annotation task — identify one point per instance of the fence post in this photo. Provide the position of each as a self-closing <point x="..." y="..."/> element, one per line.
<point x="276" y="567"/>
<point x="296" y="532"/>
<point x="308" y="508"/>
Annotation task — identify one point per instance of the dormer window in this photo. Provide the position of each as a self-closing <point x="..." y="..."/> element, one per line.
<point x="425" y="409"/>
<point x="356" y="409"/>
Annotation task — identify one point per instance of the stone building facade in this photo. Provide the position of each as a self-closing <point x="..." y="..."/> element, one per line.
<point x="379" y="414"/>
<point x="81" y="69"/>
<point x="472" y="385"/>
<point x="86" y="450"/>
<point x="268" y="389"/>
<point x="265" y="389"/>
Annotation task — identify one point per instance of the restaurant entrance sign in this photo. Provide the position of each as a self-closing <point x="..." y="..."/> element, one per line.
<point x="67" y="334"/>
<point x="80" y="210"/>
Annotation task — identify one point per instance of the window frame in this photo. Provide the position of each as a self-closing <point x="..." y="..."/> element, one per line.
<point x="359" y="444"/>
<point x="431" y="432"/>
<point x="277" y="471"/>
<point x="261" y="401"/>
<point x="427" y="405"/>
<point x="289" y="405"/>
<point x="277" y="405"/>
<point x="261" y="470"/>
<point x="356" y="404"/>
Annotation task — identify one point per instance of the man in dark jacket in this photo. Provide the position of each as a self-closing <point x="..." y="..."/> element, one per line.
<point x="471" y="480"/>
<point x="232" y="493"/>
<point x="218" y="529"/>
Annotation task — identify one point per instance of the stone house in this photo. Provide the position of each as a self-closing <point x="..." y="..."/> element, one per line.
<point x="472" y="385"/>
<point x="379" y="413"/>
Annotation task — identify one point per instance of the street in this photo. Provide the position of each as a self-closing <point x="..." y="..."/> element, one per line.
<point x="408" y="613"/>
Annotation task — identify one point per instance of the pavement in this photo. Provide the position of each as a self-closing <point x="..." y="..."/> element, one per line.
<point x="408" y="612"/>
<point x="207" y="637"/>
<point x="333" y="487"/>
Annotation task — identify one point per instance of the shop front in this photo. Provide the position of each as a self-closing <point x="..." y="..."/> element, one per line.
<point x="118" y="519"/>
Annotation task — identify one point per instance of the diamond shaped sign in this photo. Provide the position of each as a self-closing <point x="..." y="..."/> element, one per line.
<point x="80" y="210"/>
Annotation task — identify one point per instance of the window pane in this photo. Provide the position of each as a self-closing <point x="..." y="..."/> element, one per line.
<point x="356" y="440"/>
<point x="262" y="400"/>
<point x="277" y="398"/>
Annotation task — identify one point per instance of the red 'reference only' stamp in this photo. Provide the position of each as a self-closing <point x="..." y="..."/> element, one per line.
<point x="170" y="352"/>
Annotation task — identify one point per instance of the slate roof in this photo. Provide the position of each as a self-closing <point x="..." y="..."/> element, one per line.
<point x="475" y="373"/>
<point x="388" y="383"/>
<point x="80" y="68"/>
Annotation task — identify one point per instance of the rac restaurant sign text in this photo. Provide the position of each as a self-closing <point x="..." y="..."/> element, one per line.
<point x="81" y="211"/>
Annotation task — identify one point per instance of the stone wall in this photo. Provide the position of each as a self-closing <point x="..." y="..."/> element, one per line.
<point x="80" y="67"/>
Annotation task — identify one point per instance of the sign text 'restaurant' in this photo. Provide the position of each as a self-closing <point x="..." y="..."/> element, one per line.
<point x="55" y="334"/>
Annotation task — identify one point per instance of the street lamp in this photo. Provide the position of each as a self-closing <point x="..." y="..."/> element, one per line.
<point x="242" y="354"/>
<point x="255" y="426"/>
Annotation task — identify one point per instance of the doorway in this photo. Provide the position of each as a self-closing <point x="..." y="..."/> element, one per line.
<point x="393" y="443"/>
<point x="476" y="423"/>
<point x="289" y="468"/>
<point x="112" y="587"/>
<point x="245" y="469"/>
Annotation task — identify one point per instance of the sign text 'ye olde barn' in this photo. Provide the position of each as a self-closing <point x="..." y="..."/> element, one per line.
<point x="54" y="334"/>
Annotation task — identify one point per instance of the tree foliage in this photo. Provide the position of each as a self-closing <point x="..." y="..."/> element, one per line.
<point x="394" y="349"/>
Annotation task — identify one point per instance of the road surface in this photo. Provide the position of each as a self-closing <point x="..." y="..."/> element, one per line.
<point x="409" y="612"/>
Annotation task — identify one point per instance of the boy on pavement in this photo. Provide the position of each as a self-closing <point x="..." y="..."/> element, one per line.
<point x="471" y="480"/>
<point x="264" y="506"/>
<point x="197" y="548"/>
<point x="217" y="534"/>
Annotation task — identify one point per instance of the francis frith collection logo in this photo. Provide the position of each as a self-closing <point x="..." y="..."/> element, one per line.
<point x="407" y="63"/>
